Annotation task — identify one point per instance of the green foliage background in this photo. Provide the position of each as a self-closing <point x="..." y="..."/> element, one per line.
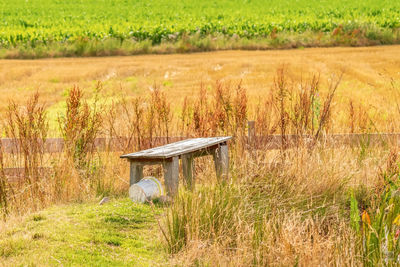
<point x="29" y="22"/>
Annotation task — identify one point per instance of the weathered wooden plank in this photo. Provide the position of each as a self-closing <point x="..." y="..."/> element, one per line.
<point x="177" y="148"/>
<point x="171" y="175"/>
<point x="136" y="173"/>
<point x="271" y="142"/>
<point x="203" y="152"/>
<point x="56" y="145"/>
<point x="14" y="175"/>
<point x="268" y="142"/>
<point x="147" y="161"/>
<point x="221" y="161"/>
<point x="188" y="170"/>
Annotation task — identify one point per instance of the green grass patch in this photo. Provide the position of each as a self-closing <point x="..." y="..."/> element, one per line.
<point x="118" y="233"/>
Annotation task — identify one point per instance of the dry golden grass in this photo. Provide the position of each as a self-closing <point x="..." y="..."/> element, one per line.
<point x="367" y="75"/>
<point x="280" y="215"/>
<point x="284" y="207"/>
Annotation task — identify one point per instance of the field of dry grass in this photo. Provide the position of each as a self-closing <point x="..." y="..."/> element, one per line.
<point x="368" y="73"/>
<point x="304" y="205"/>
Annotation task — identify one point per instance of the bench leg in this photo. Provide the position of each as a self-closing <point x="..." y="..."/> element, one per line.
<point x="136" y="173"/>
<point x="171" y="176"/>
<point x="188" y="168"/>
<point x="221" y="161"/>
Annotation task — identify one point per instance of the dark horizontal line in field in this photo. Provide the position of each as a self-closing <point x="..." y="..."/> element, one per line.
<point x="15" y="175"/>
<point x="56" y="145"/>
<point x="271" y="142"/>
<point x="268" y="142"/>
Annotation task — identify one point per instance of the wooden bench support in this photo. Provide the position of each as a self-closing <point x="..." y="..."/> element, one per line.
<point x="221" y="161"/>
<point x="136" y="172"/>
<point x="186" y="150"/>
<point x="188" y="168"/>
<point x="171" y="175"/>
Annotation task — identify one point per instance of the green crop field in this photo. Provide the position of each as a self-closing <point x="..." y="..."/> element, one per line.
<point x="37" y="28"/>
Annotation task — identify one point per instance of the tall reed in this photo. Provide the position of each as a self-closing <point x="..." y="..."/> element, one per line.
<point x="28" y="126"/>
<point x="80" y="126"/>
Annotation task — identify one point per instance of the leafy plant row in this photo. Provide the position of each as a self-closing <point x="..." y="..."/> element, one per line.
<point x="32" y="22"/>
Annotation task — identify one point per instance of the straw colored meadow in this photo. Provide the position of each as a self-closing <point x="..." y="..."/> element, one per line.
<point x="307" y="203"/>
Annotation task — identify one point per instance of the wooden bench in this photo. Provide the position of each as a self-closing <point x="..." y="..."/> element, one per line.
<point x="186" y="150"/>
